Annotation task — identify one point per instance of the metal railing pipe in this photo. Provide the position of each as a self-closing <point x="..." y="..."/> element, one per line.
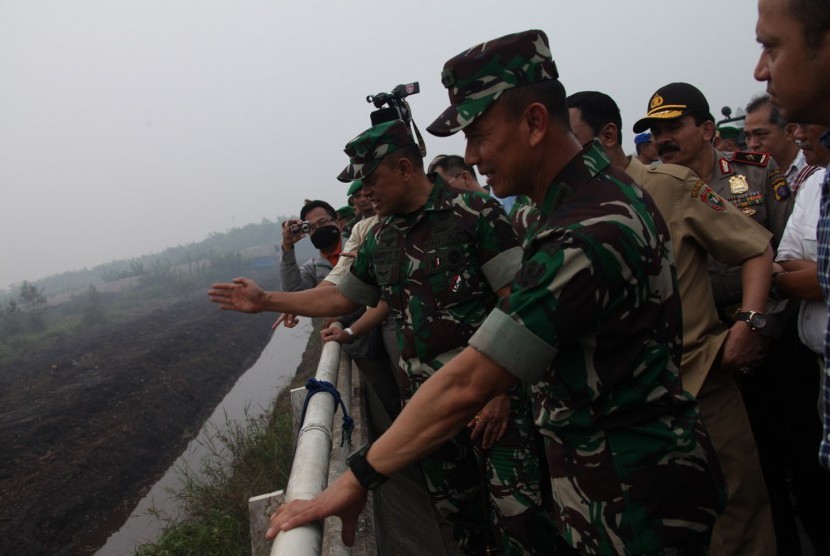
<point x="309" y="471"/>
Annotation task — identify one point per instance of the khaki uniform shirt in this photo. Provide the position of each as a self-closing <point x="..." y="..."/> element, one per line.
<point x="700" y="223"/>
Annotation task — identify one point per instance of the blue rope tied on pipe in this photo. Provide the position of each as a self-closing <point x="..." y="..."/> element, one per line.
<point x="315" y="386"/>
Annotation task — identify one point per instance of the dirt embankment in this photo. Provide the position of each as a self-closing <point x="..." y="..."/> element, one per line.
<point x="88" y="426"/>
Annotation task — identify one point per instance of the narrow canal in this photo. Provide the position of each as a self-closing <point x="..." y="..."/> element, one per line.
<point x="252" y="395"/>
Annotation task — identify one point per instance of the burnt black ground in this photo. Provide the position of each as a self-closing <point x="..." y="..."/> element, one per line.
<point x="88" y="426"/>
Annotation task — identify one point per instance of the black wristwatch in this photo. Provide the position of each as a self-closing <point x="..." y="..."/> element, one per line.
<point x="755" y="319"/>
<point x="367" y="476"/>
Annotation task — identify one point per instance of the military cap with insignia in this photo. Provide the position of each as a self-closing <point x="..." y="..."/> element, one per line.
<point x="368" y="149"/>
<point x="477" y="77"/>
<point x="673" y="101"/>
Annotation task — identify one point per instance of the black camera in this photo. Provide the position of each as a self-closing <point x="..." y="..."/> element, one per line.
<point x="392" y="106"/>
<point x="301" y="228"/>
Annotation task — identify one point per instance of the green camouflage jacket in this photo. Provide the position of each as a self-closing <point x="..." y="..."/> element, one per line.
<point x="594" y="323"/>
<point x="438" y="269"/>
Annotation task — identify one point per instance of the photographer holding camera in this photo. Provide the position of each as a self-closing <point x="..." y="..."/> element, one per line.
<point x="318" y="220"/>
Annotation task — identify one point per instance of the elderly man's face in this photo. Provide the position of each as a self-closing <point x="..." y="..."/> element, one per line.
<point x="798" y="77"/>
<point x="496" y="145"/>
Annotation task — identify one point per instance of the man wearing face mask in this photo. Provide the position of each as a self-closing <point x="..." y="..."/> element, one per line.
<point x="321" y="219"/>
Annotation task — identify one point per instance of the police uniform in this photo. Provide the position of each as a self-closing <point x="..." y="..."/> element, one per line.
<point x="439" y="268"/>
<point x="753" y="183"/>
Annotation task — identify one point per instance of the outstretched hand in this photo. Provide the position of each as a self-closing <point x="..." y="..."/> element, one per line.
<point x="345" y="498"/>
<point x="240" y="295"/>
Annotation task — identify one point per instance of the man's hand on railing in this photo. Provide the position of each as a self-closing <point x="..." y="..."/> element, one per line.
<point x="336" y="334"/>
<point x="240" y="295"/>
<point x="491" y="422"/>
<point x="345" y="498"/>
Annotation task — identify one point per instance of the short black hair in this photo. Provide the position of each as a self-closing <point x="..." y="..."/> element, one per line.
<point x="701" y="117"/>
<point x="814" y="18"/>
<point x="311" y="205"/>
<point x="597" y="109"/>
<point x="550" y="93"/>
<point x="775" y="116"/>
<point x="451" y="163"/>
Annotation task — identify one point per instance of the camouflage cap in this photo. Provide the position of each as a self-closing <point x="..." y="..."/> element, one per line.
<point x="477" y="77"/>
<point x="356" y="186"/>
<point x="368" y="149"/>
<point x="673" y="101"/>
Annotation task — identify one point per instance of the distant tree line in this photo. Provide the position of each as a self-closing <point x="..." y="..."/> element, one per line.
<point x="25" y="311"/>
<point x="213" y="249"/>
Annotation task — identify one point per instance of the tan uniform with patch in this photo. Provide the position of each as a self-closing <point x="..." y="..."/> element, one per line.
<point x="702" y="223"/>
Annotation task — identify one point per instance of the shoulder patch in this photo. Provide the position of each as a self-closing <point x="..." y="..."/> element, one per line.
<point x="697" y="187"/>
<point x="710" y="198"/>
<point x="758" y="159"/>
<point x="779" y="186"/>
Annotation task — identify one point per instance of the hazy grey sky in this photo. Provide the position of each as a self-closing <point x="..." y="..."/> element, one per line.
<point x="130" y="126"/>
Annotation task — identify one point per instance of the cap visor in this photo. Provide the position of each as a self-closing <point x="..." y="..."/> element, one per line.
<point x="346" y="174"/>
<point x="457" y="117"/>
<point x="446" y="124"/>
<point x="645" y="123"/>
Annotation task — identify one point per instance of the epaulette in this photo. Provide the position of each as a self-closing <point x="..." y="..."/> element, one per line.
<point x="673" y="170"/>
<point x="746" y="157"/>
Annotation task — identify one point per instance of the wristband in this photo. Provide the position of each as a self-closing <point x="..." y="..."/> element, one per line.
<point x="350" y="332"/>
<point x="366" y="475"/>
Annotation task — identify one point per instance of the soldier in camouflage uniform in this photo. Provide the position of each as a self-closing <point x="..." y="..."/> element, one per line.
<point x="592" y="322"/>
<point x="438" y="268"/>
<point x="438" y="262"/>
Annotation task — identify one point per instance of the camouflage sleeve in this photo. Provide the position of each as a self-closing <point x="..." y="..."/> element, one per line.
<point x="523" y="334"/>
<point x="504" y="340"/>
<point x="499" y="252"/>
<point x="360" y="285"/>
